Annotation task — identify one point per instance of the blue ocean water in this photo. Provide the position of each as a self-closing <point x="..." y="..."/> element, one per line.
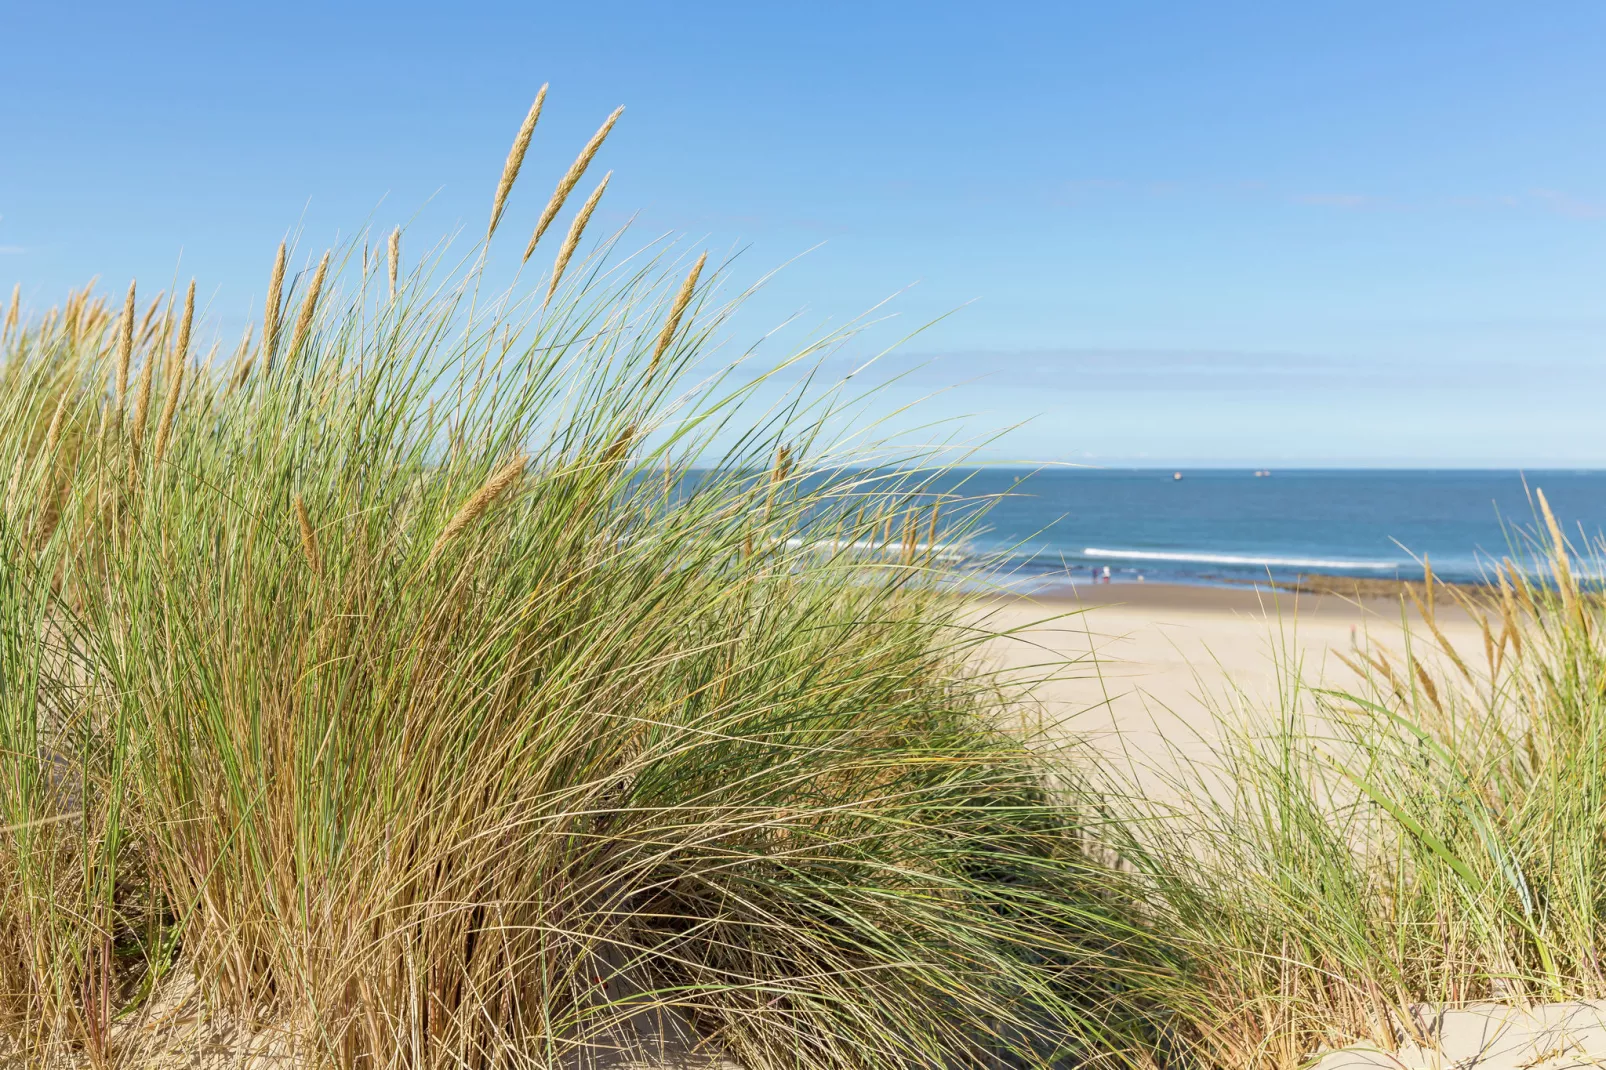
<point x="1231" y="526"/>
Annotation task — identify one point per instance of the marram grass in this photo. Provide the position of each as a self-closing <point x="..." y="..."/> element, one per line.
<point x="1428" y="833"/>
<point x="416" y="702"/>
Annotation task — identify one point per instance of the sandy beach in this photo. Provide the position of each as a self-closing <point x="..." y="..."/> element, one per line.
<point x="1137" y="671"/>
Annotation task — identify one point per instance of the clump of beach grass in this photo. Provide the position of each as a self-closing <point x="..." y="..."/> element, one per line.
<point x="1429" y="832"/>
<point x="444" y="694"/>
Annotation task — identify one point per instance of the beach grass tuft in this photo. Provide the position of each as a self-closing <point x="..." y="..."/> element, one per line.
<point x="456" y="693"/>
<point x="1425" y="834"/>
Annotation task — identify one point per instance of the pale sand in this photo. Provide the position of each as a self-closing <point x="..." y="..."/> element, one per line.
<point x="1137" y="670"/>
<point x="1560" y="1036"/>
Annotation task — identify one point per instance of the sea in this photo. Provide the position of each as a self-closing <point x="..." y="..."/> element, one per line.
<point x="1221" y="527"/>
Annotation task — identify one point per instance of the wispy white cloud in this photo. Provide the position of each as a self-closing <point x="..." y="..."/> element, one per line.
<point x="12" y="250"/>
<point x="1568" y="205"/>
<point x="1349" y="201"/>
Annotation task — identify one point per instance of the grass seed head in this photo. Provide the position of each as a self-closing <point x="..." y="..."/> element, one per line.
<point x="142" y="397"/>
<point x="242" y="352"/>
<point x="309" y="538"/>
<point x="567" y="183"/>
<point x="394" y="250"/>
<point x="182" y="351"/>
<point x="14" y="310"/>
<point x="309" y="306"/>
<point x="676" y="311"/>
<point x="142" y="402"/>
<point x="125" y="352"/>
<point x="619" y="448"/>
<point x="53" y="436"/>
<point x="572" y="240"/>
<point x="146" y="323"/>
<point x="164" y="428"/>
<point x="271" y="310"/>
<point x="482" y="499"/>
<point x="1566" y="585"/>
<point x="515" y="160"/>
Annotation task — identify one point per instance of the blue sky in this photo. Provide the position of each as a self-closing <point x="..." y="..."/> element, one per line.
<point x="1359" y="233"/>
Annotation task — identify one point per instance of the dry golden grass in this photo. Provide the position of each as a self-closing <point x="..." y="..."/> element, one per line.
<point x="393" y="258"/>
<point x="272" y="308"/>
<point x="309" y="306"/>
<point x="676" y="311"/>
<point x="510" y="169"/>
<point x="567" y="183"/>
<point x="571" y="241"/>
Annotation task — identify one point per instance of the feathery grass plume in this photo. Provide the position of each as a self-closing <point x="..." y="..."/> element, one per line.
<point x="1558" y="542"/>
<point x="142" y="398"/>
<point x="181" y="352"/>
<point x="239" y="377"/>
<point x="676" y="310"/>
<point x="572" y="240"/>
<point x="242" y="370"/>
<point x="309" y="538"/>
<point x="125" y="353"/>
<point x="1428" y="687"/>
<point x="164" y="427"/>
<point x="482" y="499"/>
<point x="1566" y="585"/>
<point x="1425" y="606"/>
<point x="1511" y="621"/>
<point x="142" y="403"/>
<point x="243" y="350"/>
<point x="271" y="310"/>
<point x="146" y="324"/>
<point x="567" y="183"/>
<point x="393" y="248"/>
<point x="778" y="473"/>
<point x="14" y="484"/>
<point x="515" y="160"/>
<point x="53" y="435"/>
<point x="14" y="310"/>
<point x="1493" y="654"/>
<point x="309" y="306"/>
<point x="69" y="315"/>
<point x="1427" y="599"/>
<point x="619" y="447"/>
